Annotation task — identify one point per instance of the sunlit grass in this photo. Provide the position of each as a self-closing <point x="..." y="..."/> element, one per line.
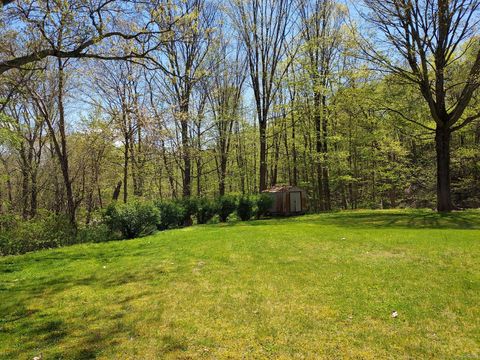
<point x="318" y="286"/>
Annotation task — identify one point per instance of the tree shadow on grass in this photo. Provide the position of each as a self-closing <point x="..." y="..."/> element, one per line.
<point x="38" y="329"/>
<point x="408" y="220"/>
<point x="44" y="329"/>
<point x="411" y="219"/>
<point x="44" y="336"/>
<point x="373" y="219"/>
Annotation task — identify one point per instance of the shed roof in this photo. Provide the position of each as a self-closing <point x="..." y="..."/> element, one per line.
<point x="282" y="188"/>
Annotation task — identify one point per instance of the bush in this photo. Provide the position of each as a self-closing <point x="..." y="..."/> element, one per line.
<point x="245" y="208"/>
<point x="206" y="210"/>
<point x="263" y="204"/>
<point x="8" y="222"/>
<point x="94" y="233"/>
<point x="189" y="206"/>
<point x="48" y="230"/>
<point x="171" y="215"/>
<point x="131" y="220"/>
<point x="225" y="206"/>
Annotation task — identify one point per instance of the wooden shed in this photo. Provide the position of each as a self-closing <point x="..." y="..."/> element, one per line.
<point x="287" y="200"/>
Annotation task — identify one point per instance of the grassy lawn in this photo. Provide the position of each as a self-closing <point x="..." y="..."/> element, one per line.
<point x="317" y="286"/>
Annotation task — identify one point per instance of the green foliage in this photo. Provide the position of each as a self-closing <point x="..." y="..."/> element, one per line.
<point x="263" y="203"/>
<point x="131" y="220"/>
<point x="48" y="230"/>
<point x="226" y="205"/>
<point x="8" y="222"/>
<point x="245" y="208"/>
<point x="189" y="208"/>
<point x="94" y="233"/>
<point x="206" y="210"/>
<point x="171" y="215"/>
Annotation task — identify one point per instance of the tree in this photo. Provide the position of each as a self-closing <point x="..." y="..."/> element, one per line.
<point x="182" y="60"/>
<point x="28" y="124"/>
<point x="121" y="87"/>
<point x="322" y="22"/>
<point x="427" y="39"/>
<point x="89" y="25"/>
<point x="225" y="99"/>
<point x="266" y="32"/>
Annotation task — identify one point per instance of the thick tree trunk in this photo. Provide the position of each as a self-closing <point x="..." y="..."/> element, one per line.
<point x="442" y="146"/>
<point x="223" y="174"/>
<point x="116" y="191"/>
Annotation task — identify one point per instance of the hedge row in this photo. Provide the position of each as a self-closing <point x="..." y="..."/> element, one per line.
<point x="137" y="219"/>
<point x="124" y="221"/>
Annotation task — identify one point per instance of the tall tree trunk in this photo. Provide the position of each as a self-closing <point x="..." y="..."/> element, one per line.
<point x="125" y="167"/>
<point x="198" y="160"/>
<point x="133" y="165"/>
<point x="318" y="150"/>
<point x="33" y="193"/>
<point x="63" y="153"/>
<point x="168" y="168"/>
<point x="294" y="154"/>
<point x="325" y="172"/>
<point x="288" y="159"/>
<point x="263" y="154"/>
<point x="442" y="146"/>
<point x="187" y="161"/>
<point x="223" y="174"/>
<point x="240" y="158"/>
<point x="276" y="155"/>
<point x="25" y="185"/>
<point x="116" y="191"/>
<point x="9" y="183"/>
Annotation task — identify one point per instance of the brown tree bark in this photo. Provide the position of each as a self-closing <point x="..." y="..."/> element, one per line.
<point x="442" y="147"/>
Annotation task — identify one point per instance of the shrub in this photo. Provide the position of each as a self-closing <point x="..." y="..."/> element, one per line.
<point x="245" y="208"/>
<point x="131" y="220"/>
<point x="94" y="233"/>
<point x="8" y="222"/>
<point x="189" y="206"/>
<point x="263" y="204"/>
<point x="48" y="230"/>
<point x="171" y="215"/>
<point x="206" y="210"/>
<point x="225" y="206"/>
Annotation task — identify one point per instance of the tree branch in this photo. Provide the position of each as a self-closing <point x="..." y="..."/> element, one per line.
<point x="407" y="118"/>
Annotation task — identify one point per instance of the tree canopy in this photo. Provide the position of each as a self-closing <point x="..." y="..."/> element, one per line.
<point x="368" y="106"/>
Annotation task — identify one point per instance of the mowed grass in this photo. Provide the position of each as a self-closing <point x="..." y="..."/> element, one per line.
<point x="313" y="287"/>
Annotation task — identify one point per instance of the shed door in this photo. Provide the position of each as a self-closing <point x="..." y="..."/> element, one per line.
<point x="296" y="201"/>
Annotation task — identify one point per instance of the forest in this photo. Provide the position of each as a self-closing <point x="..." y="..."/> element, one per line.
<point x="371" y="104"/>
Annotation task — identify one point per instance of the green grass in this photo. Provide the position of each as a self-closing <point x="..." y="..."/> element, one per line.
<point x="317" y="286"/>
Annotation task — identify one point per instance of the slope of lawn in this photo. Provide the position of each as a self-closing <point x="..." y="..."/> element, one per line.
<point x="317" y="286"/>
